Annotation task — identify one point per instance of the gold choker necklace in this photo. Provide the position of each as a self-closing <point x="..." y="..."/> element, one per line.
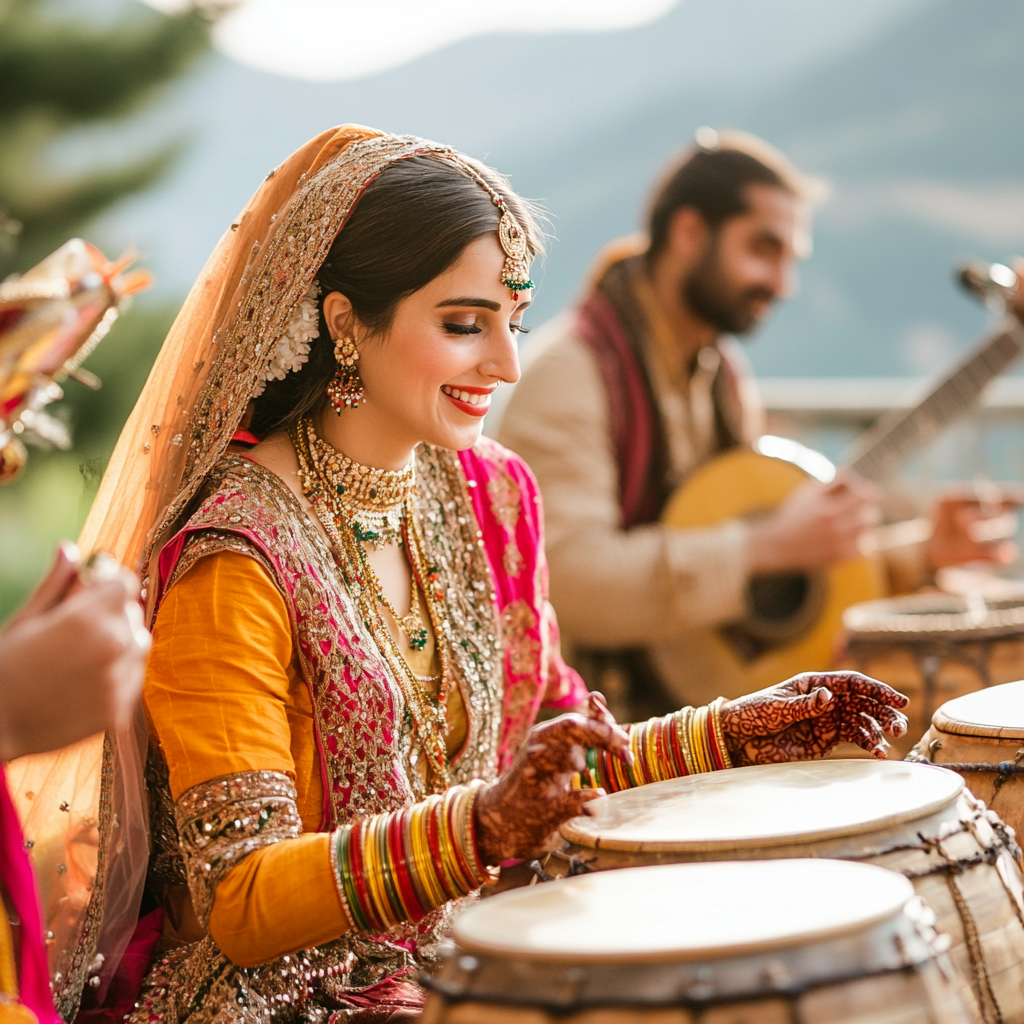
<point x="341" y="490"/>
<point x="373" y="500"/>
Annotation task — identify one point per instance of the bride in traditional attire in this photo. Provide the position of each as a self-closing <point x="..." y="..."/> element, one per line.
<point x="348" y="595"/>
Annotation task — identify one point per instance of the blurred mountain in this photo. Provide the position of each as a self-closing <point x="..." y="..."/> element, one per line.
<point x="920" y="129"/>
<point x="521" y="102"/>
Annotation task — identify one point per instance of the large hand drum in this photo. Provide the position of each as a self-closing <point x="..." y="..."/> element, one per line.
<point x="912" y="818"/>
<point x="981" y="736"/>
<point x="772" y="942"/>
<point x="935" y="647"/>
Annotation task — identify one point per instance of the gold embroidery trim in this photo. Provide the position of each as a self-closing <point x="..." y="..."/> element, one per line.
<point x="222" y="821"/>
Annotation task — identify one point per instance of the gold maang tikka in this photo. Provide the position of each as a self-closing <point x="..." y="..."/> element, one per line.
<point x="515" y="272"/>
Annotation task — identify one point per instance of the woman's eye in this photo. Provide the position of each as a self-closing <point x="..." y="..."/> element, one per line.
<point x="520" y="329"/>
<point x="462" y="328"/>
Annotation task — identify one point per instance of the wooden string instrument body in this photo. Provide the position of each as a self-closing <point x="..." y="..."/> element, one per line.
<point x="794" y="621"/>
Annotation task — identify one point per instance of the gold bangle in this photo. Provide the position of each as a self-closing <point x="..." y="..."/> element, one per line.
<point x="637" y="767"/>
<point x="698" y="739"/>
<point x="650" y="767"/>
<point x="468" y="860"/>
<point x="426" y="869"/>
<point x="452" y="875"/>
<point x="716" y="724"/>
<point x="418" y="865"/>
<point x="375" y="881"/>
<point x="705" y="740"/>
<point x="683" y="717"/>
<point x="483" y="873"/>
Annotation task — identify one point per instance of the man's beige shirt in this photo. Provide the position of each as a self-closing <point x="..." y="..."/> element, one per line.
<point x="652" y="586"/>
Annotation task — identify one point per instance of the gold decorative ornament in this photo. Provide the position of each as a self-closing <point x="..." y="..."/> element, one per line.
<point x="13" y="457"/>
<point x="515" y="272"/>
<point x="51" y="319"/>
<point x="345" y="389"/>
<point x="373" y="500"/>
<point x="338" y="497"/>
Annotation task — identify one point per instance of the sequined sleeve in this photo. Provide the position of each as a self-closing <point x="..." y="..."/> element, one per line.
<point x="222" y="821"/>
<point x="233" y="720"/>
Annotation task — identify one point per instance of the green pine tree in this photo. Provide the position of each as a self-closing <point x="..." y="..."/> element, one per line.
<point x="58" y="74"/>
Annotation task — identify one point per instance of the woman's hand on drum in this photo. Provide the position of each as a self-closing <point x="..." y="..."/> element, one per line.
<point x="810" y="714"/>
<point x="519" y="815"/>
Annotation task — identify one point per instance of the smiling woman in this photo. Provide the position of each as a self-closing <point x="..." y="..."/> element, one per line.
<point x="348" y="593"/>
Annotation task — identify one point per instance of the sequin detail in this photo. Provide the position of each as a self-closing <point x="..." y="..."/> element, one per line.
<point x="222" y="821"/>
<point x="360" y="727"/>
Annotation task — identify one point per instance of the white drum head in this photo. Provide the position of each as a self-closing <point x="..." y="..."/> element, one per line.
<point x="765" y="805"/>
<point x="996" y="711"/>
<point x="684" y="911"/>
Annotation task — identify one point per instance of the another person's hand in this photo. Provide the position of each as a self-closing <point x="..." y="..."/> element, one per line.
<point x="810" y="714"/>
<point x="71" y="660"/>
<point x="816" y="526"/>
<point x="1018" y="306"/>
<point x="969" y="528"/>
<point x="519" y="815"/>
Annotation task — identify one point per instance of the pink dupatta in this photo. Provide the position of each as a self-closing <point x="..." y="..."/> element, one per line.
<point x="19" y="885"/>
<point x="507" y="503"/>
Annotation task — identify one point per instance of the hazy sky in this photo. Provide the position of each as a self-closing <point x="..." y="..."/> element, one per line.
<point x="506" y="98"/>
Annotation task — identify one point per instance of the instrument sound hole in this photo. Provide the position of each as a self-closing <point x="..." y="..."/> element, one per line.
<point x="779" y="596"/>
<point x="781" y="608"/>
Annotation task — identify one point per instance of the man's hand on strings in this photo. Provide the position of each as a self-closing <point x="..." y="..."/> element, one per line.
<point x="969" y="526"/>
<point x="816" y="526"/>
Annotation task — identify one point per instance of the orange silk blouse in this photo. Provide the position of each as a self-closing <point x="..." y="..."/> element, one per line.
<point x="224" y="694"/>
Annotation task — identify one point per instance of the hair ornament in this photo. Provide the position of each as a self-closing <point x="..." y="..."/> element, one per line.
<point x="515" y="273"/>
<point x="292" y="348"/>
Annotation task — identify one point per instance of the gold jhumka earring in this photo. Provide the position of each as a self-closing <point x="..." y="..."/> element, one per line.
<point x="345" y="389"/>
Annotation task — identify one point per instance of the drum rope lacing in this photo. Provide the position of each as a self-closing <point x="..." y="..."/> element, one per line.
<point x="952" y="867"/>
<point x="1004" y="769"/>
<point x="949" y="866"/>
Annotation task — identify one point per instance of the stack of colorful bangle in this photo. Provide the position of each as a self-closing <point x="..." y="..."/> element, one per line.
<point x="399" y="866"/>
<point x="687" y="742"/>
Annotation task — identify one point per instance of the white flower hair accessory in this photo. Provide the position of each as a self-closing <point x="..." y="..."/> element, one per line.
<point x="292" y="348"/>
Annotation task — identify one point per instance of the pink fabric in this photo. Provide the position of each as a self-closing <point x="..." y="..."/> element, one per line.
<point x="127" y="981"/>
<point x="394" y="999"/>
<point x="507" y="503"/>
<point x="19" y="884"/>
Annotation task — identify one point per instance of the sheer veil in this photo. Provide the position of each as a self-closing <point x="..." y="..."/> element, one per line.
<point x="84" y="807"/>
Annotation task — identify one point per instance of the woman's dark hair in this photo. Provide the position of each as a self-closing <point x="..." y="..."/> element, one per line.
<point x="409" y="225"/>
<point x="713" y="177"/>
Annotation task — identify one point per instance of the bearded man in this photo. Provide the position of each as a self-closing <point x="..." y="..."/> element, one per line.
<point x="642" y="384"/>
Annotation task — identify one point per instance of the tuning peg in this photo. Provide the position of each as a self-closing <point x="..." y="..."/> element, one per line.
<point x="993" y="283"/>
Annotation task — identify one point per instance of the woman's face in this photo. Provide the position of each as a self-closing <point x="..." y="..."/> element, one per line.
<point x="449" y="346"/>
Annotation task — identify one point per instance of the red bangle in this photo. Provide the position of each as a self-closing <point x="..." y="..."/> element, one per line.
<point x="413" y="908"/>
<point x="358" y="874"/>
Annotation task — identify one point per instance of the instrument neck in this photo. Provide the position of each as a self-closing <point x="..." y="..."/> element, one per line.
<point x="901" y="434"/>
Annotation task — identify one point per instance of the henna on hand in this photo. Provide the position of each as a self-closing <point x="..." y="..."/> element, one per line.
<point x="519" y="814"/>
<point x="809" y="715"/>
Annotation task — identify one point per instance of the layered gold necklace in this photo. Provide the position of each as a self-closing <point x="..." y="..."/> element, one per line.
<point x="359" y="505"/>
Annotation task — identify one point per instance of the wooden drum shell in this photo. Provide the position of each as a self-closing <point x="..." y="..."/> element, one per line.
<point x="934" y="648"/>
<point x="980" y="905"/>
<point x="879" y="971"/>
<point x="931" y="672"/>
<point x="967" y="746"/>
<point x="923" y="996"/>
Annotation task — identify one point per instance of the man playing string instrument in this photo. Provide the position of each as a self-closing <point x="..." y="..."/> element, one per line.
<point x="643" y="384"/>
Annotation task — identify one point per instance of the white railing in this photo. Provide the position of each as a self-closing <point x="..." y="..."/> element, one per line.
<point x="827" y="413"/>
